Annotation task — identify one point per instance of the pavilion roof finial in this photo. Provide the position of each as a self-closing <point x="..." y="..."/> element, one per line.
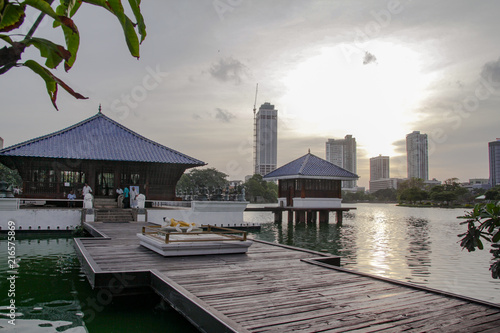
<point x="99" y="107"/>
<point x="309" y="151"/>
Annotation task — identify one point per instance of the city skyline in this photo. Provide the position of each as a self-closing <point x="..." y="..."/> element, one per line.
<point x="377" y="70"/>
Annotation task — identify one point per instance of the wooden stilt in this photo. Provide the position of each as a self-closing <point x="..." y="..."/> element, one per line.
<point x="310" y="214"/>
<point x="290" y="215"/>
<point x="340" y="216"/>
<point x="300" y="216"/>
<point x="323" y="216"/>
<point x="278" y="216"/>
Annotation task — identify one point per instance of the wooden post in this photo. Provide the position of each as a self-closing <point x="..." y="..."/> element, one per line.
<point x="278" y="216"/>
<point x="311" y="215"/>
<point x="300" y="216"/>
<point x="339" y="217"/>
<point x="290" y="215"/>
<point x="323" y="216"/>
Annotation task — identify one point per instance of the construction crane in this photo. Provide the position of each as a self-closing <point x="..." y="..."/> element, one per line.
<point x="255" y="130"/>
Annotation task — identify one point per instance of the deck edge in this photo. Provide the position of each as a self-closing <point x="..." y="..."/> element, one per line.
<point x="201" y="315"/>
<point x="315" y="261"/>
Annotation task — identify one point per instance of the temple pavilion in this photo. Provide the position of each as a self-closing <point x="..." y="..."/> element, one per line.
<point x="310" y="184"/>
<point x="98" y="151"/>
<point x="310" y="181"/>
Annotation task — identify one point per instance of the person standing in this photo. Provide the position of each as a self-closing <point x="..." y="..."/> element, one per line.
<point x="86" y="190"/>
<point x="126" y="198"/>
<point x="119" y="192"/>
<point x="71" y="198"/>
<point x="133" y="195"/>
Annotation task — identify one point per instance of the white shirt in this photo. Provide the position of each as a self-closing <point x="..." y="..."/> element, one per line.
<point x="86" y="190"/>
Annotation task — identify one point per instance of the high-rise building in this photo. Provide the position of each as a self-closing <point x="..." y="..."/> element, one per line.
<point x="342" y="152"/>
<point x="417" y="155"/>
<point x="379" y="167"/>
<point x="266" y="139"/>
<point x="379" y="174"/>
<point x="494" y="152"/>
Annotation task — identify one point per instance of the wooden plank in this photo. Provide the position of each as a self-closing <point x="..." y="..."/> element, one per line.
<point x="269" y="289"/>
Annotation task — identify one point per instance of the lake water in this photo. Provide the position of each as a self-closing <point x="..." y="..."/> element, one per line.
<point x="417" y="245"/>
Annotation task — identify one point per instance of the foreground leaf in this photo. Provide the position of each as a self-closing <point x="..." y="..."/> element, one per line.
<point x="52" y="52"/>
<point x="12" y="18"/>
<point x="51" y="81"/>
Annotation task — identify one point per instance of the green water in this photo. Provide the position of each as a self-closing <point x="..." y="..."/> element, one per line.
<point x="53" y="295"/>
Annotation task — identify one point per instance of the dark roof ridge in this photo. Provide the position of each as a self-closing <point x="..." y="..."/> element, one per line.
<point x="304" y="163"/>
<point x="90" y="122"/>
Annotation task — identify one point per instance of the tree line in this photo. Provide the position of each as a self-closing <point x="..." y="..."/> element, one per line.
<point x="415" y="191"/>
<point x="256" y="189"/>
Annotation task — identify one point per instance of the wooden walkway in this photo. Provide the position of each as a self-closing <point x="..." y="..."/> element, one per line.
<point x="274" y="288"/>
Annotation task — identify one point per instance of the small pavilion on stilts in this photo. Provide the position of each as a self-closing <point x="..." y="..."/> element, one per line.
<point x="309" y="186"/>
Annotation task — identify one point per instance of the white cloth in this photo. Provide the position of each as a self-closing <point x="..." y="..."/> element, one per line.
<point x="86" y="190"/>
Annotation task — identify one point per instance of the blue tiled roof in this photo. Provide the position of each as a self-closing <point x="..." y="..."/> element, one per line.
<point x="99" y="138"/>
<point x="311" y="166"/>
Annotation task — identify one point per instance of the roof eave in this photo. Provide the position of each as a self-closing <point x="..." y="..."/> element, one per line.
<point x="309" y="177"/>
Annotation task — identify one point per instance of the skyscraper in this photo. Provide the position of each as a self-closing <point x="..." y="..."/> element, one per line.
<point x="494" y="152"/>
<point x="417" y="155"/>
<point x="266" y="139"/>
<point x="379" y="173"/>
<point x="379" y="167"/>
<point x="343" y="154"/>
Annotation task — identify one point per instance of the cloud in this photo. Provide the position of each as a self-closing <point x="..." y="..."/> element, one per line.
<point x="224" y="115"/>
<point x="229" y="70"/>
<point x="369" y="58"/>
<point x="491" y="73"/>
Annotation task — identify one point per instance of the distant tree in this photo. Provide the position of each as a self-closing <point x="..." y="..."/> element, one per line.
<point x="492" y="194"/>
<point x="196" y="178"/>
<point x="20" y="37"/>
<point x="256" y="187"/>
<point x="358" y="196"/>
<point x="385" y="195"/>
<point x="483" y="224"/>
<point x="446" y="197"/>
<point x="10" y="176"/>
<point x="411" y="183"/>
<point x="412" y="195"/>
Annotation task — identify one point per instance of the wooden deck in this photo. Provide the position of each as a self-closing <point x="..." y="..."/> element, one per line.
<point x="274" y="288"/>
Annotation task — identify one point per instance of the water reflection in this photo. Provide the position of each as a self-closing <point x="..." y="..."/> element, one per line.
<point x="418" y="245"/>
<point x="419" y="249"/>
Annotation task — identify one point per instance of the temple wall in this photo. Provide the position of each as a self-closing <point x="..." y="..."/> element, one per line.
<point x="41" y="219"/>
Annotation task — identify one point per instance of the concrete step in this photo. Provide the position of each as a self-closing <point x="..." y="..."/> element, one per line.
<point x="105" y="203"/>
<point x="114" y="215"/>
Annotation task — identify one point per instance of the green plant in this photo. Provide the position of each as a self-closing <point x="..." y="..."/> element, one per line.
<point x="79" y="231"/>
<point x="483" y="224"/>
<point x="13" y="13"/>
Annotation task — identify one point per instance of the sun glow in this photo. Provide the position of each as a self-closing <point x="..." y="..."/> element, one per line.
<point x="332" y="96"/>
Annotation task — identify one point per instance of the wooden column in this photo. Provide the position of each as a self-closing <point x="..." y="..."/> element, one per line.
<point x="278" y="216"/>
<point x="311" y="215"/>
<point x="290" y="215"/>
<point x="300" y="216"/>
<point x="323" y="216"/>
<point x="339" y="217"/>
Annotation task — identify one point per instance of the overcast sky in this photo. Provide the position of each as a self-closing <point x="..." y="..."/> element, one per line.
<point x="375" y="69"/>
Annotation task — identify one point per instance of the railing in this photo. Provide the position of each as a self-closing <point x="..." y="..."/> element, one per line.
<point x="42" y="202"/>
<point x="221" y="233"/>
<point x="159" y="203"/>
